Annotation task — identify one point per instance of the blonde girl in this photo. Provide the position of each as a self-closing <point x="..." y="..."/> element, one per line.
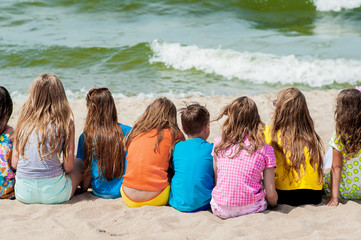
<point x="7" y="176"/>
<point x="149" y="146"/>
<point x="298" y="150"/>
<point x="240" y="158"/>
<point x="44" y="132"/>
<point x="101" y="145"/>
<point x="344" y="179"/>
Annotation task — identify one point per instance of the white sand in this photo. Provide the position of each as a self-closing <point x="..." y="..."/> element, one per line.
<point x="89" y="217"/>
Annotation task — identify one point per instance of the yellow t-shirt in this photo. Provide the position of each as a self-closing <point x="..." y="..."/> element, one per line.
<point x="308" y="178"/>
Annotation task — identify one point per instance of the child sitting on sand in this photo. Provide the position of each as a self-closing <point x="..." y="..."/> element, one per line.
<point x="240" y="157"/>
<point x="149" y="146"/>
<point x="7" y="176"/>
<point x="298" y="150"/>
<point x="193" y="180"/>
<point x="44" y="131"/>
<point x="344" y="180"/>
<point x="101" y="145"/>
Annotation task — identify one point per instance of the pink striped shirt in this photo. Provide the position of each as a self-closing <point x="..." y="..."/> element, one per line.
<point x="239" y="178"/>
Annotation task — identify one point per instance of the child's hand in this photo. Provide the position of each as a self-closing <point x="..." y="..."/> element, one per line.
<point x="332" y="203"/>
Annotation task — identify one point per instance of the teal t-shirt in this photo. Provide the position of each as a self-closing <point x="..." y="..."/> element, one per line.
<point x="102" y="187"/>
<point x="193" y="181"/>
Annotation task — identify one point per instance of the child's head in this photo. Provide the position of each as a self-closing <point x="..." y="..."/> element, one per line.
<point x="103" y="136"/>
<point x="242" y="120"/>
<point x="101" y="107"/>
<point x="348" y="120"/>
<point x="160" y="114"/>
<point x="195" y="120"/>
<point x="6" y="108"/>
<point x="46" y="110"/>
<point x="293" y="123"/>
<point x="291" y="110"/>
<point x="47" y="95"/>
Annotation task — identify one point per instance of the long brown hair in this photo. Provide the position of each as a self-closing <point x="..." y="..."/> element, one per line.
<point x="6" y="108"/>
<point x="242" y="120"/>
<point x="348" y="120"/>
<point x="103" y="137"/>
<point x="294" y="125"/>
<point x="161" y="114"/>
<point x="46" y="111"/>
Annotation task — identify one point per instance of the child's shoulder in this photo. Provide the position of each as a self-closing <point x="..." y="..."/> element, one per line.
<point x="217" y="140"/>
<point x="8" y="130"/>
<point x="267" y="148"/>
<point x="194" y="141"/>
<point x="125" y="128"/>
<point x="196" y="144"/>
<point x="6" y="136"/>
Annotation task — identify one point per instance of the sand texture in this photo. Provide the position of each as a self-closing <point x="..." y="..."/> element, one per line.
<point x="89" y="217"/>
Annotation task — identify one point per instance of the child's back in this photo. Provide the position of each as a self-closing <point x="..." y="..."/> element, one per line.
<point x="344" y="179"/>
<point x="7" y="176"/>
<point x="193" y="179"/>
<point x="44" y="132"/>
<point x="240" y="157"/>
<point x="298" y="150"/>
<point x="239" y="179"/>
<point x="149" y="146"/>
<point x="101" y="145"/>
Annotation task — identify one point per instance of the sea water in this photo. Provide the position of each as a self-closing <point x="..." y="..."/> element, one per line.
<point x="182" y="48"/>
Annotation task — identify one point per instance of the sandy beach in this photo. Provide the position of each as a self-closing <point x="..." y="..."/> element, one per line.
<point x="89" y="217"/>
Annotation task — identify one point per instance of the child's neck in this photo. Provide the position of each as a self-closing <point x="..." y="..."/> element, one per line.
<point x="199" y="135"/>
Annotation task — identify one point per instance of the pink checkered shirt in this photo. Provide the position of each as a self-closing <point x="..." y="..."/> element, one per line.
<point x="239" y="178"/>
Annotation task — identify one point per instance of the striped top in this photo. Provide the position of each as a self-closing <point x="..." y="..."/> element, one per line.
<point x="32" y="167"/>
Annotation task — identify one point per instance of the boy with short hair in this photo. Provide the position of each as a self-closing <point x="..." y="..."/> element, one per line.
<point x="193" y="180"/>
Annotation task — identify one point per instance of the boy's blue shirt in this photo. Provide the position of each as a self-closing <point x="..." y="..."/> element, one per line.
<point x="193" y="180"/>
<point x="101" y="187"/>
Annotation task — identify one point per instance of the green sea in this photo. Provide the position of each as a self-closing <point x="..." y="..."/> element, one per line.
<point x="181" y="48"/>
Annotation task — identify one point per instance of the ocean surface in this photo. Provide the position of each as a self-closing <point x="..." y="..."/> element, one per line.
<point x="182" y="48"/>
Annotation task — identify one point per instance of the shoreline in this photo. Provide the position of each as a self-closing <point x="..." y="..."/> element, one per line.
<point x="321" y="105"/>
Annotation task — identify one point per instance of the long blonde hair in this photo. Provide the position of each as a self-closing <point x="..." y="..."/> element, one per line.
<point x="292" y="121"/>
<point x="161" y="114"/>
<point x="348" y="120"/>
<point x="103" y="137"/>
<point x="47" y="112"/>
<point x="242" y="120"/>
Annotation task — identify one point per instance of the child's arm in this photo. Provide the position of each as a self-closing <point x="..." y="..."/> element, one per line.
<point x="335" y="177"/>
<point x="85" y="184"/>
<point x="69" y="152"/>
<point x="14" y="158"/>
<point x="215" y="170"/>
<point x="269" y="185"/>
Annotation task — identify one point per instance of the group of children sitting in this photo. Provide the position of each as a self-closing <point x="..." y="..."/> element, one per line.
<point x="248" y="168"/>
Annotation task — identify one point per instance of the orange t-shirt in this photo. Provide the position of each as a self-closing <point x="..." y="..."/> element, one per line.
<point x="146" y="168"/>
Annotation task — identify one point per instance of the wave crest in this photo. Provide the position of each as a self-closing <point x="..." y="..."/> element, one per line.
<point x="257" y="67"/>
<point x="336" y="5"/>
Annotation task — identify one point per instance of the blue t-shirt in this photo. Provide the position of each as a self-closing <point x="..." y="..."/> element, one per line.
<point x="102" y="187"/>
<point x="193" y="180"/>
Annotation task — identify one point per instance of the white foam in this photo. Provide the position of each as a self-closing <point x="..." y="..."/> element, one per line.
<point x="170" y="94"/>
<point x="257" y="67"/>
<point x="73" y="95"/>
<point x="336" y="5"/>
